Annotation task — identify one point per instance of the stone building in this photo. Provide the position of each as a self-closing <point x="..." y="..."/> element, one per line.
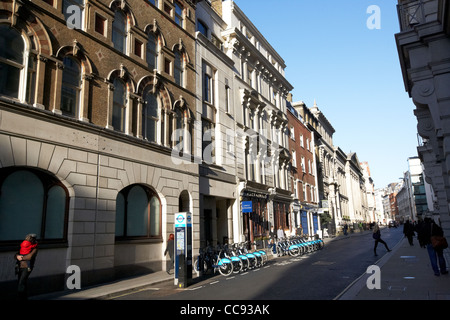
<point x="370" y="192"/>
<point x="356" y="189"/>
<point x="340" y="182"/>
<point x="259" y="100"/>
<point x="423" y="44"/>
<point x="215" y="117"/>
<point x="96" y="98"/>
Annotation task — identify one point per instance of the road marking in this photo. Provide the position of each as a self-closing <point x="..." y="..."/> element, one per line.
<point x="133" y="292"/>
<point x="192" y="289"/>
<point x="214" y="282"/>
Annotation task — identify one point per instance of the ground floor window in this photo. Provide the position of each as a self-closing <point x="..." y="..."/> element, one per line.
<point x="138" y="213"/>
<point x="32" y="201"/>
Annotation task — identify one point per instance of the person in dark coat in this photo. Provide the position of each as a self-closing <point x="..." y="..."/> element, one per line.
<point x="428" y="229"/>
<point x="377" y="237"/>
<point x="170" y="248"/>
<point x="408" y="231"/>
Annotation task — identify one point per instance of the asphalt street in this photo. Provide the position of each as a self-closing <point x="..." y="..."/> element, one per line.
<point x="320" y="275"/>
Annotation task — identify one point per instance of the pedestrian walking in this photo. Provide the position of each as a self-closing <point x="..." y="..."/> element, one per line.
<point x="408" y="231"/>
<point x="25" y="260"/>
<point x="345" y="229"/>
<point x="170" y="250"/>
<point x="272" y="233"/>
<point x="377" y="236"/>
<point x="430" y="229"/>
<point x="280" y="233"/>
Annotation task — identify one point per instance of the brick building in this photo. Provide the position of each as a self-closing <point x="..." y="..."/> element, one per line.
<point x="303" y="174"/>
<point x="90" y="96"/>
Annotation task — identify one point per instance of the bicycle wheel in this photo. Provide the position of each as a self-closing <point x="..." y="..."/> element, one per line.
<point x="264" y="256"/>
<point x="238" y="265"/>
<point x="226" y="269"/>
<point x="245" y="263"/>
<point x="294" y="251"/>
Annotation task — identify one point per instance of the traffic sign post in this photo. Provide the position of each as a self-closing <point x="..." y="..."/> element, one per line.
<point x="183" y="249"/>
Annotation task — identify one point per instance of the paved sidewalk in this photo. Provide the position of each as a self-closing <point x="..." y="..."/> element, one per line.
<point x="406" y="274"/>
<point x="108" y="289"/>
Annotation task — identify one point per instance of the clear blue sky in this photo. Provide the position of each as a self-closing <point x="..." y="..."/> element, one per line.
<point x="352" y="72"/>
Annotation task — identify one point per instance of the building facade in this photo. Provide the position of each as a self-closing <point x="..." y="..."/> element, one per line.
<point x="303" y="177"/>
<point x="89" y="102"/>
<point x="262" y="158"/>
<point x="370" y="192"/>
<point x="356" y="189"/>
<point x="216" y="129"/>
<point x="406" y="208"/>
<point x="419" y="199"/>
<point x="423" y="44"/>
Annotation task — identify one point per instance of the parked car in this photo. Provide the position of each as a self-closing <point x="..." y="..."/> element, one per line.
<point x="392" y="224"/>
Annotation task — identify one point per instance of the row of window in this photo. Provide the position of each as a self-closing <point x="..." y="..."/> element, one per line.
<point x="303" y="162"/>
<point x="308" y="144"/>
<point x="121" y="35"/>
<point x="174" y="10"/>
<point x="307" y="189"/>
<point x="18" y="81"/>
<point x="44" y="210"/>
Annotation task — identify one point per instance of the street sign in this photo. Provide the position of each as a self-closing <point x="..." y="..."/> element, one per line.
<point x="247" y="206"/>
<point x="183" y="249"/>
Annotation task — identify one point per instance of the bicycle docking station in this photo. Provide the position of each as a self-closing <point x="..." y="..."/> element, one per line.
<point x="183" y="249"/>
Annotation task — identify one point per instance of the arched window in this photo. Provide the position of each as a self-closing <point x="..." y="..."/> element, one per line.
<point x="71" y="87"/>
<point x="178" y="68"/>
<point x="32" y="201"/>
<point x="150" y="116"/>
<point x="152" y="51"/>
<point x="17" y="65"/>
<point x="119" y="105"/>
<point x="138" y="213"/>
<point x="119" y="31"/>
<point x="12" y="62"/>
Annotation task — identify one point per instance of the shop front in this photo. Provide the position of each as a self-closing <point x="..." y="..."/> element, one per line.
<point x="255" y="218"/>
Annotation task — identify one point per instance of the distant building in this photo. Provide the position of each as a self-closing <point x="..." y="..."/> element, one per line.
<point x="417" y="188"/>
<point x="370" y="192"/>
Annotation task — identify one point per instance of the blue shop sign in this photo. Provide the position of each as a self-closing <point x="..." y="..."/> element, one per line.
<point x="247" y="206"/>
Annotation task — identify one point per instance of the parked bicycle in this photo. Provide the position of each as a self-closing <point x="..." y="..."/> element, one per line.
<point x="214" y="260"/>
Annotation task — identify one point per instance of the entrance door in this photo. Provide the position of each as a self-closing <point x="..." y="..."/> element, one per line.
<point x="304" y="220"/>
<point x="207" y="214"/>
